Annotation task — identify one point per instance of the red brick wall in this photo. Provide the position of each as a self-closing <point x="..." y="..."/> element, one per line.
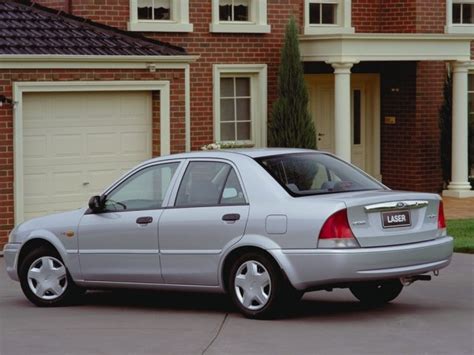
<point x="430" y="16"/>
<point x="366" y="15"/>
<point x="8" y="77"/>
<point x="410" y="148"/>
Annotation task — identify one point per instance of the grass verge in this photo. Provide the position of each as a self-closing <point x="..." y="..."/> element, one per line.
<point x="462" y="230"/>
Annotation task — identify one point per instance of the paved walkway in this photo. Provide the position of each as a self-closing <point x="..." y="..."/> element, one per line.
<point x="458" y="208"/>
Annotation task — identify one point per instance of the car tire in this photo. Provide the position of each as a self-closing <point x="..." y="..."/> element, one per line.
<point x="377" y="292"/>
<point x="257" y="286"/>
<point x="45" y="280"/>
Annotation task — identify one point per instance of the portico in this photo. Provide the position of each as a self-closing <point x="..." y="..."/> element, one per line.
<point x="347" y="53"/>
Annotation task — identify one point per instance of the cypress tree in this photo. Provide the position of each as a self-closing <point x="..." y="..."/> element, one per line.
<point x="291" y="124"/>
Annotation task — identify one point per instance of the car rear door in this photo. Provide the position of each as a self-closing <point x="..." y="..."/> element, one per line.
<point x="209" y="212"/>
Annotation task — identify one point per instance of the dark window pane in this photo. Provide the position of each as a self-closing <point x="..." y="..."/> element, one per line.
<point x="471" y="82"/>
<point x="241" y="11"/>
<point x="329" y="14"/>
<point x="314" y="13"/>
<point x="227" y="87"/>
<point x="162" y="13"/>
<point x="242" y="86"/>
<point x="228" y="132"/>
<point x="243" y="109"/>
<point x="243" y="131"/>
<point x="456" y="13"/>
<point x="202" y="184"/>
<point x="227" y="110"/>
<point x="357" y="117"/>
<point x="468" y="14"/>
<point x="225" y="12"/>
<point x="145" y="10"/>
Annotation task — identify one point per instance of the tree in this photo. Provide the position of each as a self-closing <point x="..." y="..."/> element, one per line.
<point x="445" y="126"/>
<point x="291" y="124"/>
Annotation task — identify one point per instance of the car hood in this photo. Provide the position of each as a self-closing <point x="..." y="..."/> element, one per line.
<point x="52" y="223"/>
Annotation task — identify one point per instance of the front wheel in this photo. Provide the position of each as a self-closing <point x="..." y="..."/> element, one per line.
<point x="45" y="280"/>
<point x="377" y="292"/>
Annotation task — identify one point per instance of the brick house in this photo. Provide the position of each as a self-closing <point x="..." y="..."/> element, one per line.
<point x="91" y="87"/>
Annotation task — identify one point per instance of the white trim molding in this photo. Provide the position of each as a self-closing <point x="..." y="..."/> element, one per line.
<point x="20" y="88"/>
<point x="385" y="47"/>
<point x="343" y="18"/>
<point x="457" y="27"/>
<point x="179" y="21"/>
<point x="47" y="61"/>
<point x="257" y="19"/>
<point x="258" y="75"/>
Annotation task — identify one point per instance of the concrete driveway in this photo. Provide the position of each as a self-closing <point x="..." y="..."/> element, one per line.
<point x="428" y="318"/>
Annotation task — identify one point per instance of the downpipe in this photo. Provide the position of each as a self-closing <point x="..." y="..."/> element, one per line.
<point x="408" y="280"/>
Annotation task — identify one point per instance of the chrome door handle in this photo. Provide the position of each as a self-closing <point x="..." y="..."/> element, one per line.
<point x="144" y="220"/>
<point x="231" y="217"/>
<point x="321" y="134"/>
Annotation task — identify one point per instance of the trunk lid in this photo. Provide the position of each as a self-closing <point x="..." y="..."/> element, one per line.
<point x="383" y="218"/>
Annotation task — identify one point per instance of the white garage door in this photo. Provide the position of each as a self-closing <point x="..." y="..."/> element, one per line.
<point x="76" y="144"/>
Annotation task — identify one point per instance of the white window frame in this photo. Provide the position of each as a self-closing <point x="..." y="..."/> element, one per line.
<point x="456" y="27"/>
<point x="178" y="23"/>
<point x="258" y="103"/>
<point x="257" y="20"/>
<point x="343" y="18"/>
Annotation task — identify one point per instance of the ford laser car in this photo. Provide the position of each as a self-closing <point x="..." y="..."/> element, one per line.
<point x="263" y="226"/>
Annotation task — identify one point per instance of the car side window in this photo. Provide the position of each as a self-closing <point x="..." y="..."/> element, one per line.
<point x="209" y="184"/>
<point x="144" y="190"/>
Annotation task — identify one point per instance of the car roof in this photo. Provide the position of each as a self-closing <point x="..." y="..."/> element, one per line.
<point x="228" y="153"/>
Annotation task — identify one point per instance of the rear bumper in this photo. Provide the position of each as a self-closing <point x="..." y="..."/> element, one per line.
<point x="10" y="252"/>
<point x="311" y="268"/>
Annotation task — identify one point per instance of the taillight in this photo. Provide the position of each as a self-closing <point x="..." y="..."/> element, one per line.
<point x="336" y="232"/>
<point x="441" y="219"/>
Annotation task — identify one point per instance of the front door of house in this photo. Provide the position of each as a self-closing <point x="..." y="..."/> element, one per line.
<point x="365" y="150"/>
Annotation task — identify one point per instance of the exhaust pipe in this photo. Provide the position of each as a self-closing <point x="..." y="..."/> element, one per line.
<point x="407" y="281"/>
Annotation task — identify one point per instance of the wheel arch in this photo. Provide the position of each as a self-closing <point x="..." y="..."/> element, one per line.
<point x="38" y="242"/>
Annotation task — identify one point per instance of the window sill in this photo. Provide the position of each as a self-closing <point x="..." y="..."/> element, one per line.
<point x="238" y="28"/>
<point x="324" y="30"/>
<point x="459" y="29"/>
<point x="160" y="27"/>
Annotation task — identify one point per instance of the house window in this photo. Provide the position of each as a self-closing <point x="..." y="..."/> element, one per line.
<point x="235" y="109"/>
<point x="154" y="9"/>
<point x="159" y="16"/>
<point x="460" y="16"/>
<point x="322" y="13"/>
<point x="471" y="122"/>
<point x="328" y="17"/>
<point x="234" y="10"/>
<point x="239" y="16"/>
<point x="240" y="104"/>
<point x="463" y="14"/>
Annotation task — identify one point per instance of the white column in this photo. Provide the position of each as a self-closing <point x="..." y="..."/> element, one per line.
<point x="342" y="110"/>
<point x="459" y="186"/>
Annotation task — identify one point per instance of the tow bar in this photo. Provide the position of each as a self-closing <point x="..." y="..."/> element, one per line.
<point x="407" y="281"/>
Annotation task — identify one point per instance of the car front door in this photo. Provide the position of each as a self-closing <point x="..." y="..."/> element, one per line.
<point x="209" y="212"/>
<point x="120" y="244"/>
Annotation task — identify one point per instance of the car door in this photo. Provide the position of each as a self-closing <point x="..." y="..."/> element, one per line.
<point x="120" y="244"/>
<point x="209" y="212"/>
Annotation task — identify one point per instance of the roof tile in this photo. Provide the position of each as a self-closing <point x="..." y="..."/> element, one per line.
<point x="28" y="28"/>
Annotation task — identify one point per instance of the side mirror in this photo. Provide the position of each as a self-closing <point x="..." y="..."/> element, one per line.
<point x="96" y="203"/>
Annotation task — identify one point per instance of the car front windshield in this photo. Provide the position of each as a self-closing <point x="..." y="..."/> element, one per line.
<point x="303" y="174"/>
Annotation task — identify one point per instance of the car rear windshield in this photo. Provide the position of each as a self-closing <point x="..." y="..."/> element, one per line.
<point x="303" y="174"/>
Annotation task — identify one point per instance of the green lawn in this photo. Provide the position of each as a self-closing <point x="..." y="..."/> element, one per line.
<point x="462" y="230"/>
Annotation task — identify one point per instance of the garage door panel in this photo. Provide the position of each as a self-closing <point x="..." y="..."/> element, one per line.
<point x="77" y="144"/>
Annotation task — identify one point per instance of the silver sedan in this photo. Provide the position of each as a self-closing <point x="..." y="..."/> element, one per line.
<point x="264" y="226"/>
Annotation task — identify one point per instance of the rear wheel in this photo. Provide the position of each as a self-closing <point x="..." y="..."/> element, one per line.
<point x="45" y="280"/>
<point x="377" y="292"/>
<point x="257" y="287"/>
